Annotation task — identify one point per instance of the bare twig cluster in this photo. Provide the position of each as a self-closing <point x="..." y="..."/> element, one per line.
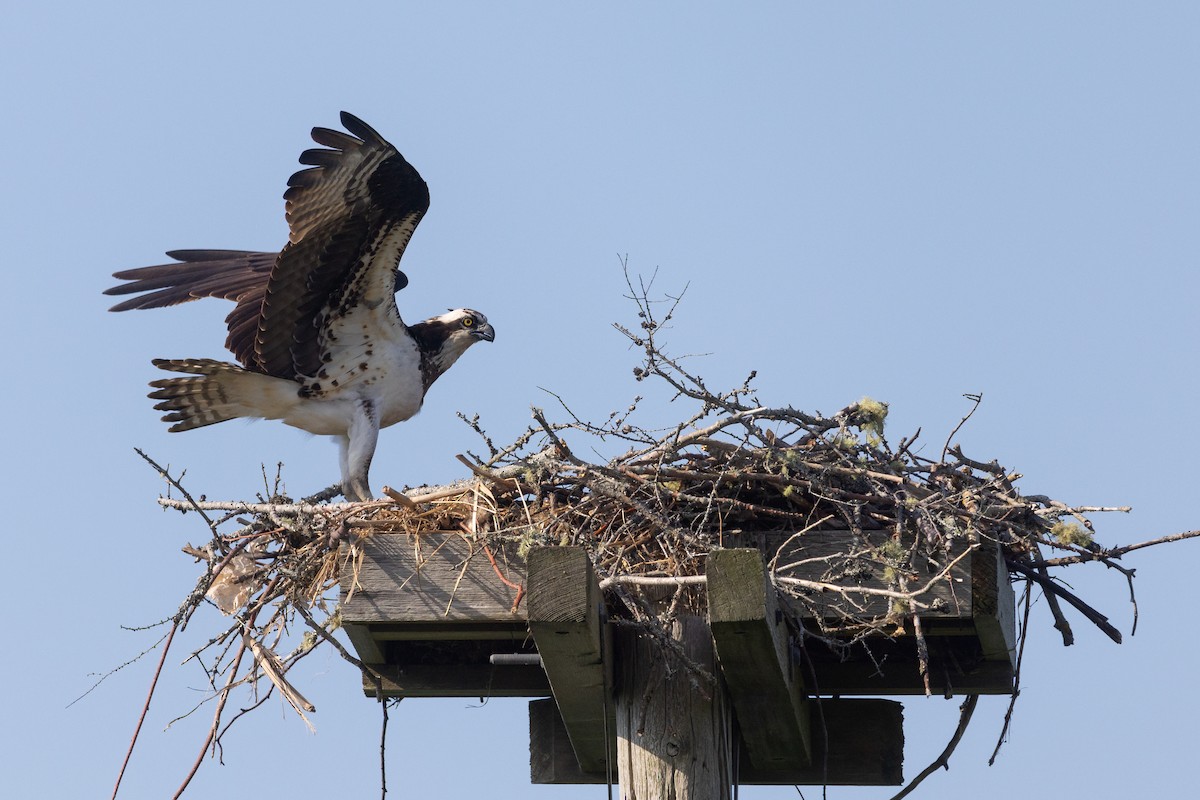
<point x="860" y="532"/>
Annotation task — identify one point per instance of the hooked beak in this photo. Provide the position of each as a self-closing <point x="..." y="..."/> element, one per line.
<point x="485" y="332"/>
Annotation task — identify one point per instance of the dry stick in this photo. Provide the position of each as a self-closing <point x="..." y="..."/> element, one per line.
<point x="943" y="761"/>
<point x="693" y="580"/>
<point x="145" y="707"/>
<point x="269" y="663"/>
<point x="504" y="483"/>
<point x="304" y="507"/>
<point x="910" y="596"/>
<point x="1052" y="589"/>
<point x="1116" y="552"/>
<point x="976" y="399"/>
<point x="518" y="587"/>
<point x="640" y="580"/>
<point x="1016" y="690"/>
<point x="212" y="731"/>
<point x="383" y="750"/>
<point x="321" y="631"/>
<point x="922" y="645"/>
<point x="129" y="662"/>
<point x="714" y="499"/>
<point x="191" y="501"/>
<point x="400" y="498"/>
<point x="1132" y="600"/>
<point x="1042" y="576"/>
<point x="276" y="508"/>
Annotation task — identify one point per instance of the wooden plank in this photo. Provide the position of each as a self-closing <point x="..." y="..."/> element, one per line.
<point x="459" y="669"/>
<point x="421" y="578"/>
<point x="564" y="614"/>
<point x="993" y="606"/>
<point x="885" y="665"/>
<point x="866" y="748"/>
<point x="552" y="758"/>
<point x="471" y="680"/>
<point x="383" y="632"/>
<point x="849" y="559"/>
<point x="753" y="649"/>
<point x="432" y="578"/>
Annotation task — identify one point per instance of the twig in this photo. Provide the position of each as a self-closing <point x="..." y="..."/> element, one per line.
<point x="400" y="498"/>
<point x="639" y="580"/>
<point x="145" y="706"/>
<point x="383" y="704"/>
<point x="975" y="399"/>
<point x="943" y="760"/>
<point x="1016" y="689"/>
<point x="1052" y="590"/>
<point x="212" y="731"/>
<point x="504" y="483"/>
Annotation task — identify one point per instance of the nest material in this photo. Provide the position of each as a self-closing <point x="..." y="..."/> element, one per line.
<point x="657" y="508"/>
<point x="652" y="513"/>
<point x="655" y="512"/>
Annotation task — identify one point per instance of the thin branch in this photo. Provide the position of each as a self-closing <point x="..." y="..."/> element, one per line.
<point x="943" y="760"/>
<point x="212" y="731"/>
<point x="145" y="707"/>
<point x="975" y="399"/>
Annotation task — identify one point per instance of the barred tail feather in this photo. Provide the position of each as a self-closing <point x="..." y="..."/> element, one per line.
<point x="216" y="391"/>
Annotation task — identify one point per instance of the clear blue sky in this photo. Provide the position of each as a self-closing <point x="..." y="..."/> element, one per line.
<point x="907" y="201"/>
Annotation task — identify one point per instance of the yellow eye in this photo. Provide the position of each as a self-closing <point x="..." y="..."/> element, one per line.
<point x="468" y="322"/>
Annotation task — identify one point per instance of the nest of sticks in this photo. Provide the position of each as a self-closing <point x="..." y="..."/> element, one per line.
<point x="650" y="514"/>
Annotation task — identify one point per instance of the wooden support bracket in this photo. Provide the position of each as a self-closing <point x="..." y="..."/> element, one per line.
<point x="564" y="614"/>
<point x="865" y="748"/>
<point x="752" y="647"/>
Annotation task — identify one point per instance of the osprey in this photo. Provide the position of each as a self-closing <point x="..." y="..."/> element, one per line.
<point x="315" y="329"/>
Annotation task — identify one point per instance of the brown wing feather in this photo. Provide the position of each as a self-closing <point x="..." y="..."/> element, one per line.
<point x="237" y="275"/>
<point x="360" y="198"/>
<point x="350" y="217"/>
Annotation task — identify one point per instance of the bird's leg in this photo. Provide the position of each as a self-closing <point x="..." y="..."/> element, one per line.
<point x="357" y="450"/>
<point x="344" y="461"/>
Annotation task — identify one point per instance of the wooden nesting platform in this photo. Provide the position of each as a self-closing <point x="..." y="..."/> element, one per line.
<point x="439" y="615"/>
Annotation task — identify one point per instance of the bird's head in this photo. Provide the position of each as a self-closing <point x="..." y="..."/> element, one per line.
<point x="468" y="325"/>
<point x="443" y="339"/>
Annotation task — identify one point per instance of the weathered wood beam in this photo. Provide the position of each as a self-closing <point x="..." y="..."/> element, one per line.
<point x="865" y="748"/>
<point x="993" y="605"/>
<point x="432" y="578"/>
<point x="564" y="608"/>
<point x="552" y="758"/>
<point x="859" y="676"/>
<point x="753" y="649"/>
<point x="470" y="680"/>
<point x="383" y="632"/>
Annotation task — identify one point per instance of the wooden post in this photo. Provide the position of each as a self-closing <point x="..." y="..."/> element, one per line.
<point x="673" y="727"/>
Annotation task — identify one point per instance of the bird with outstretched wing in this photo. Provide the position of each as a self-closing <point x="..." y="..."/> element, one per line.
<point x="315" y="329"/>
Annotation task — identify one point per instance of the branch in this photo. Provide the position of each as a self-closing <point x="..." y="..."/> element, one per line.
<point x="145" y="707"/>
<point x="1053" y="589"/>
<point x="943" y="761"/>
